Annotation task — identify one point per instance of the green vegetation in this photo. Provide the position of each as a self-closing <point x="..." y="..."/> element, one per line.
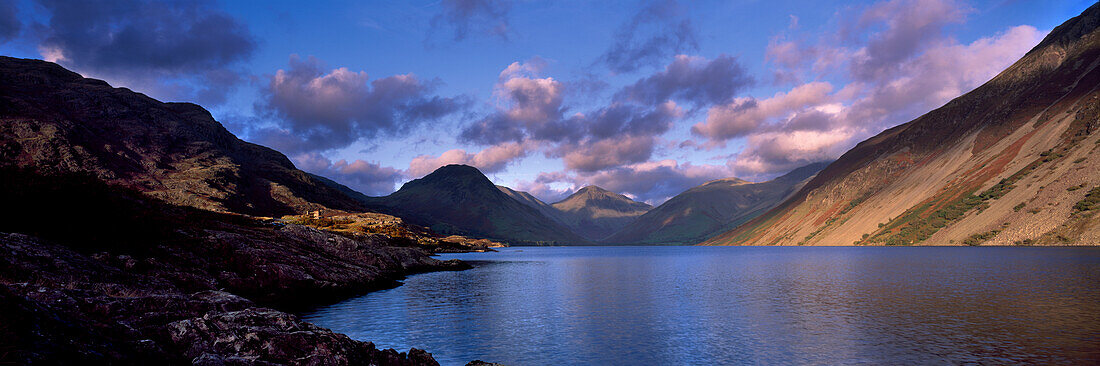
<point x="324" y="222"/>
<point x="1019" y="207"/>
<point x="979" y="238"/>
<point x="1076" y="187"/>
<point x="915" y="227"/>
<point x="1090" y="202"/>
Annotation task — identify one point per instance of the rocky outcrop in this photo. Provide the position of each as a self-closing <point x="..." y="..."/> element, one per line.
<point x="60" y="305"/>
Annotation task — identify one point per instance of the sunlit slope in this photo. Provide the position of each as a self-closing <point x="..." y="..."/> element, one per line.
<point x="1011" y="162"/>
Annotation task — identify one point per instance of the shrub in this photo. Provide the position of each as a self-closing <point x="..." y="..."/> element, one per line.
<point x="1090" y="202"/>
<point x="979" y="238"/>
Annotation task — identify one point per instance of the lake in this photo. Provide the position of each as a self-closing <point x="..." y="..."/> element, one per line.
<point x="742" y="305"/>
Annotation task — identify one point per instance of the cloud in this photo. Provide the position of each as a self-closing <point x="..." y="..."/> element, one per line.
<point x="774" y="152"/>
<point x="529" y="107"/>
<point x="9" y="22"/>
<point x="747" y="115"/>
<point x="601" y="154"/>
<point x="631" y="120"/>
<point x="897" y="63"/>
<point x="321" y="111"/>
<point x="489" y="17"/>
<point x="490" y="160"/>
<point x="532" y="112"/>
<point x="907" y="27"/>
<point x="653" y="34"/>
<point x="174" y="49"/>
<point x="371" y="179"/>
<point x="689" y="79"/>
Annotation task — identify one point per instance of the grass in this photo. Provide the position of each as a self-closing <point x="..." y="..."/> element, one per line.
<point x="1019" y="207"/>
<point x="1090" y="202"/>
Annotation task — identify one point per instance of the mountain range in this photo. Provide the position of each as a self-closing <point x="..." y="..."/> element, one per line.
<point x="711" y="208"/>
<point x="1015" y="161"/>
<point x="1010" y="162"/>
<point x="459" y="199"/>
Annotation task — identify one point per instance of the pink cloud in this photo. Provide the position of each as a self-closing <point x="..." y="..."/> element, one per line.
<point x="490" y="160"/>
<point x="747" y="115"/>
<point x="602" y="154"/>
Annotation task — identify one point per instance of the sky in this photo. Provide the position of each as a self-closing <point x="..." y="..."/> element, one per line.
<point x="645" y="98"/>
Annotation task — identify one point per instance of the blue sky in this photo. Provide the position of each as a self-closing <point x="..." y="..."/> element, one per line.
<point x="645" y="98"/>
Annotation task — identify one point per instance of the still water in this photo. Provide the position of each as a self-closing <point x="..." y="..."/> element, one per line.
<point x="742" y="305"/>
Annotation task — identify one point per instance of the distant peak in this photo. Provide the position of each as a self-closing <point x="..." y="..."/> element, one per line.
<point x="592" y="188"/>
<point x="454" y="176"/>
<point x="733" y="180"/>
<point x="457" y="169"/>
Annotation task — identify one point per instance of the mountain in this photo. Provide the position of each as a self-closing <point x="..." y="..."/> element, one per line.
<point x="711" y="208"/>
<point x="595" y="213"/>
<point x="1014" y="161"/>
<point x="459" y="199"/>
<point x="56" y="121"/>
<point x="532" y="201"/>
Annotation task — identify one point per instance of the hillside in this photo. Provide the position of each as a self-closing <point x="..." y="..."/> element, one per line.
<point x="1014" y="161"/>
<point x="55" y="121"/>
<point x="459" y="199"/>
<point x="711" y="208"/>
<point x="595" y="213"/>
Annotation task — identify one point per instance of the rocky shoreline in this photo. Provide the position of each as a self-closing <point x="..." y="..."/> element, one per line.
<point x="182" y="306"/>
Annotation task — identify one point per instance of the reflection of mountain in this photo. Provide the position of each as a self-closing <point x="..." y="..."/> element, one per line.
<point x="1011" y="162"/>
<point x="459" y="199"/>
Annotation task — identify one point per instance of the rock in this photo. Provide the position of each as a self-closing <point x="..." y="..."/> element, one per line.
<point x="483" y="363"/>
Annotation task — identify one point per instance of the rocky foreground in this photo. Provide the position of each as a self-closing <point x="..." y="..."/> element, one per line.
<point x="100" y="274"/>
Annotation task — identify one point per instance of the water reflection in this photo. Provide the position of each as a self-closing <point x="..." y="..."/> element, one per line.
<point x="677" y="305"/>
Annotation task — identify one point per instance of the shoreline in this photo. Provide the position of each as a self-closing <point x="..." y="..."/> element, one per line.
<point x="178" y="302"/>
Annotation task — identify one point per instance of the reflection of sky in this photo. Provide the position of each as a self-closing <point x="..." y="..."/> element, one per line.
<point x="692" y="305"/>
